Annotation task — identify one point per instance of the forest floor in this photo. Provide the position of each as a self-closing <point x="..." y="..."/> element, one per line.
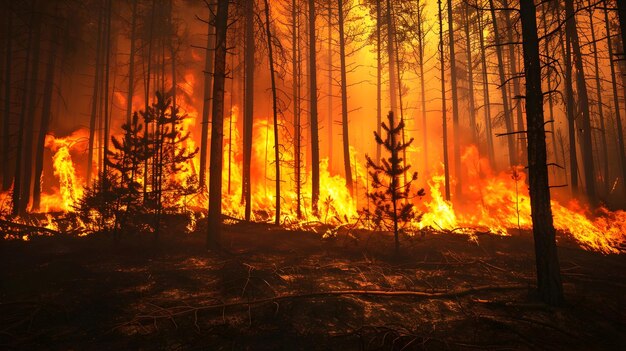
<point x="292" y="290"/>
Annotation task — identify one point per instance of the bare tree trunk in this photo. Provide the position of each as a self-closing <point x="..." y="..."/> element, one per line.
<point x="379" y="75"/>
<point x="248" y="105"/>
<point x="217" y="128"/>
<point x="420" y="44"/>
<point x="393" y="83"/>
<point x="583" y="102"/>
<point x="107" y="68"/>
<point x="131" y="64"/>
<point x="7" y="178"/>
<point x="618" y="118"/>
<point x="470" y="77"/>
<point x="315" y="145"/>
<point x="296" y="68"/>
<point x="621" y="14"/>
<point x="17" y="184"/>
<point x="444" y="111"/>
<point x="206" y="104"/>
<point x="330" y="86"/>
<point x="455" y="105"/>
<point x="46" y="116"/>
<point x="95" y="98"/>
<point x="270" y="47"/>
<point x="487" y="103"/>
<point x="508" y="119"/>
<point x="27" y="155"/>
<point x="605" y="146"/>
<point x="344" y="102"/>
<point x="515" y="80"/>
<point x="549" y="82"/>
<point x="548" y="271"/>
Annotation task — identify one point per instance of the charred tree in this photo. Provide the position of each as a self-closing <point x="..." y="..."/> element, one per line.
<point x="616" y="107"/>
<point x="7" y="175"/>
<point x="296" y="72"/>
<point x="470" y="76"/>
<point x="344" y="101"/>
<point x="206" y="103"/>
<point x="314" y="123"/>
<point x="270" y="48"/>
<point x="248" y="105"/>
<point x="95" y="98"/>
<point x="131" y="63"/>
<point x="583" y="102"/>
<point x="455" y="104"/>
<point x="486" y="99"/>
<point x="217" y="128"/>
<point x="444" y="111"/>
<point x="548" y="271"/>
<point x="508" y="119"/>
<point x="379" y="76"/>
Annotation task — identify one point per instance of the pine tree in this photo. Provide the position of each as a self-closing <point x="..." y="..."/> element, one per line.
<point x="390" y="196"/>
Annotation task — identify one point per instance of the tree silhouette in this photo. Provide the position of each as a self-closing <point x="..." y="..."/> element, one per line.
<point x="392" y="208"/>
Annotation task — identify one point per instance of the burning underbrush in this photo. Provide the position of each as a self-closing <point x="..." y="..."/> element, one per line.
<point x="492" y="202"/>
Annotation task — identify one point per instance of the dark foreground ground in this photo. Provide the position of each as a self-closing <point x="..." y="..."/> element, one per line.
<point x="280" y="290"/>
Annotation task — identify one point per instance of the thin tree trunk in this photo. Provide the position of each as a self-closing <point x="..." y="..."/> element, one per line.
<point x="515" y="80"/>
<point x="455" y="105"/>
<point x="444" y="112"/>
<point x="548" y="271"/>
<point x="95" y="98"/>
<point x="487" y="103"/>
<point x="6" y="126"/>
<point x="330" y="86"/>
<point x="605" y="145"/>
<point x="393" y="83"/>
<point x="131" y="64"/>
<point x="46" y="116"/>
<point x="549" y="82"/>
<point x="27" y="174"/>
<point x="315" y="146"/>
<point x="270" y="47"/>
<point x="206" y="104"/>
<point x="248" y="105"/>
<point x="379" y="77"/>
<point x="470" y="77"/>
<point x="508" y="119"/>
<point x="296" y="68"/>
<point x="344" y="101"/>
<point x="583" y="102"/>
<point x="420" y="43"/>
<point x="616" y="107"/>
<point x="217" y="128"/>
<point x="107" y="68"/>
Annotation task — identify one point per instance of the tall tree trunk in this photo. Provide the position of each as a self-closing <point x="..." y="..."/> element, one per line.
<point x="95" y="98"/>
<point x="546" y="49"/>
<point x="510" y="28"/>
<point x="455" y="105"/>
<point x="17" y="184"/>
<point x="487" y="103"/>
<point x="508" y="119"/>
<point x="444" y="111"/>
<point x="470" y="77"/>
<point x="379" y="77"/>
<point x="248" y="105"/>
<point x="131" y="64"/>
<point x="330" y="86"/>
<point x="344" y="101"/>
<point x="206" y="104"/>
<point x="420" y="48"/>
<point x="270" y="47"/>
<point x="27" y="155"/>
<point x="605" y="146"/>
<point x="7" y="178"/>
<point x="583" y="102"/>
<point x="296" y="71"/>
<point x="548" y="272"/>
<point x="315" y="145"/>
<point x="393" y="83"/>
<point x="107" y="75"/>
<point x="217" y="128"/>
<point x="616" y="107"/>
<point x="621" y="14"/>
<point x="46" y="116"/>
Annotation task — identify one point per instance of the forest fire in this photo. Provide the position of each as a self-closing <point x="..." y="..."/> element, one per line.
<point x="398" y="174"/>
